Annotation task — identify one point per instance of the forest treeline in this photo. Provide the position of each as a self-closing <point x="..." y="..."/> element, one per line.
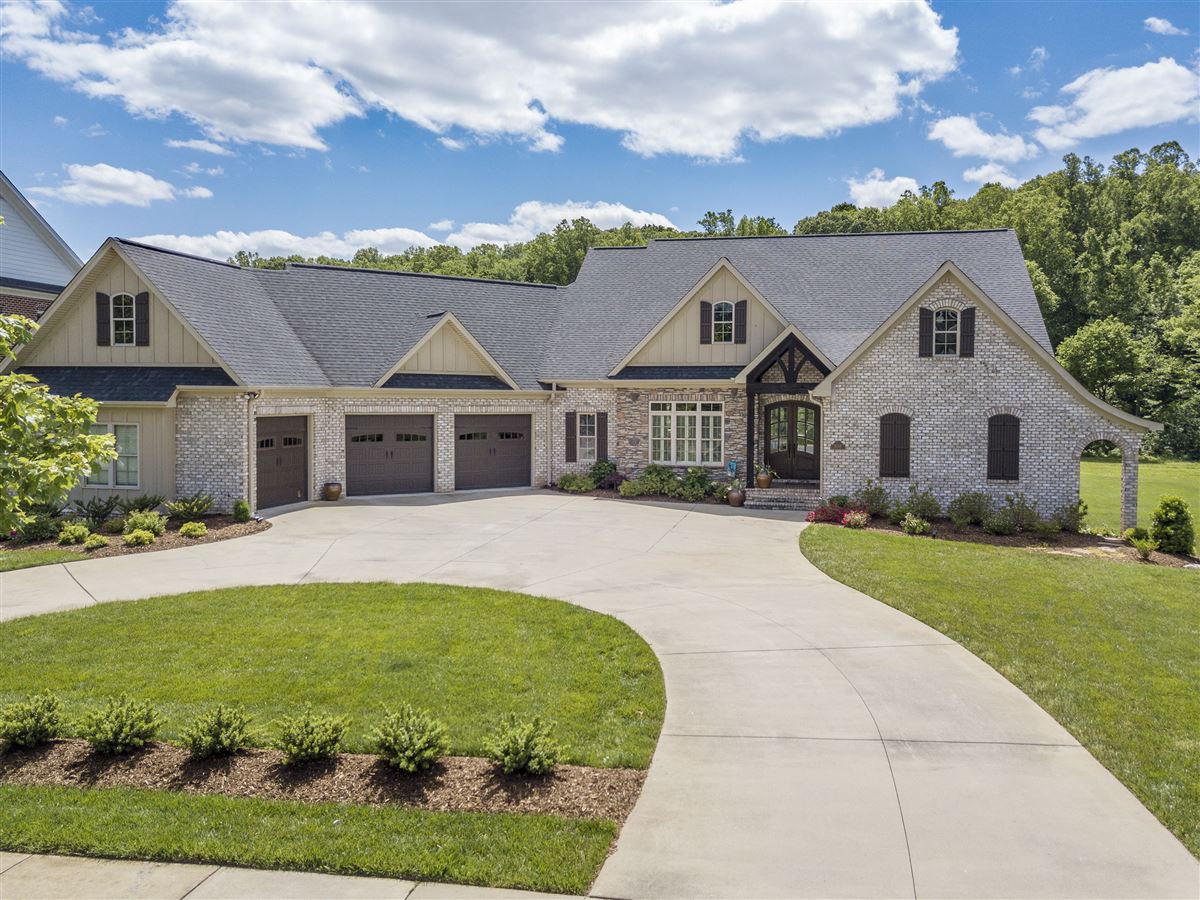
<point x="1113" y="253"/>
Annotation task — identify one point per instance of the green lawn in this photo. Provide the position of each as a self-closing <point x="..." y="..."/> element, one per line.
<point x="1100" y="487"/>
<point x="540" y="853"/>
<point x="1111" y="650"/>
<point x="24" y="559"/>
<point x="469" y="655"/>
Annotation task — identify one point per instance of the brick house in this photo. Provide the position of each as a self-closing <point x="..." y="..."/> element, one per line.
<point x="904" y="358"/>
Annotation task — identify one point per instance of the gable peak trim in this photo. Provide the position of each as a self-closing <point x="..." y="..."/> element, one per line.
<point x="449" y="320"/>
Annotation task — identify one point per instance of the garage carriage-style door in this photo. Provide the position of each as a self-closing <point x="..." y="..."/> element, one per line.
<point x="389" y="454"/>
<point x="281" y="460"/>
<point x="492" y="451"/>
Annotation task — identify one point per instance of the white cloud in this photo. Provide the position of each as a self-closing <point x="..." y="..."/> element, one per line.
<point x="102" y="184"/>
<point x="276" y="242"/>
<point x="875" y="190"/>
<point x="94" y="130"/>
<point x="194" y="168"/>
<point x="1162" y="26"/>
<point x="962" y="136"/>
<point x="200" y="146"/>
<point x="1037" y="58"/>
<point x="989" y="172"/>
<point x="441" y="225"/>
<point x="1108" y="101"/>
<point x="505" y="70"/>
<point x="60" y="121"/>
<point x="534" y="216"/>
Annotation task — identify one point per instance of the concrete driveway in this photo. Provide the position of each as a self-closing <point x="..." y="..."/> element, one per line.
<point x="817" y="742"/>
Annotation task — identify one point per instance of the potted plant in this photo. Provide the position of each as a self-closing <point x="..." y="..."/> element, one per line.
<point x="735" y="493"/>
<point x="763" y="475"/>
<point x="331" y="490"/>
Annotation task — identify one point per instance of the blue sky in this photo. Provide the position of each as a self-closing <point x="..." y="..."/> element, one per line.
<point x="339" y="126"/>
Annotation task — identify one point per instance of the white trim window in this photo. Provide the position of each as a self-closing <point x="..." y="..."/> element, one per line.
<point x="722" y="323"/>
<point x="586" y="428"/>
<point x="123" y="332"/>
<point x="945" y="332"/>
<point x="121" y="472"/>
<point x="687" y="433"/>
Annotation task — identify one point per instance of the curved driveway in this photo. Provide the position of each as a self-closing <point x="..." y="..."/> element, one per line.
<point x="816" y="743"/>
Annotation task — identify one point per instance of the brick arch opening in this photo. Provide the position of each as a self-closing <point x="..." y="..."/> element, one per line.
<point x="1098" y="486"/>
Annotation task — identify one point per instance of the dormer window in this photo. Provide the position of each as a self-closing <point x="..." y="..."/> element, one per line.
<point x="945" y="332"/>
<point x="722" y="323"/>
<point x="122" y="321"/>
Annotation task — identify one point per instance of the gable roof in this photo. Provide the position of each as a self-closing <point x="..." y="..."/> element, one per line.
<point x="442" y="322"/>
<point x="26" y="265"/>
<point x="836" y="289"/>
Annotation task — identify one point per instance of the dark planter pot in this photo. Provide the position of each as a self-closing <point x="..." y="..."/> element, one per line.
<point x="763" y="481"/>
<point x="331" y="491"/>
<point x="736" y="497"/>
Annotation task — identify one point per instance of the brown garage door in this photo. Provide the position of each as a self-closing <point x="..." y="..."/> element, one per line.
<point x="389" y="454"/>
<point x="282" y="460"/>
<point x="491" y="451"/>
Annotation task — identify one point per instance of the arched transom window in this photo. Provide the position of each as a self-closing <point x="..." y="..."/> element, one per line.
<point x="722" y="323"/>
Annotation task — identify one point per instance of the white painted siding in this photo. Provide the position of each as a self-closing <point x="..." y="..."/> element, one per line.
<point x="23" y="253"/>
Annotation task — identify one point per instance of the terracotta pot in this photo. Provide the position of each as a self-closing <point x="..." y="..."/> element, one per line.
<point x="331" y="491"/>
<point x="763" y="480"/>
<point x="736" y="497"/>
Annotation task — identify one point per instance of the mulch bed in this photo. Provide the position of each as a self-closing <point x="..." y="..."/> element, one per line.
<point x="455" y="783"/>
<point x="1063" y="542"/>
<point x="220" y="528"/>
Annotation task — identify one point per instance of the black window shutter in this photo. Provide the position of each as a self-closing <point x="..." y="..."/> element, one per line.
<point x="894" y="443"/>
<point x="103" y="331"/>
<point x="739" y="322"/>
<point x="925" y="342"/>
<point x="1004" y="448"/>
<point x="572" y="452"/>
<point x="705" y="322"/>
<point x="141" y="319"/>
<point x="966" y="332"/>
<point x="601" y="435"/>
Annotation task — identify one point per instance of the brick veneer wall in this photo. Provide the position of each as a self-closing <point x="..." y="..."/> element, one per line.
<point x="629" y="441"/>
<point x="950" y="400"/>
<point x="579" y="400"/>
<point x="211" y="447"/>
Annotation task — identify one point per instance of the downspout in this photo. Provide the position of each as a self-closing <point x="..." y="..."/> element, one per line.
<point x="550" y="434"/>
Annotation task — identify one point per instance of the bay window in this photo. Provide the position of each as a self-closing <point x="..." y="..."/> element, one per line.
<point x="687" y="433"/>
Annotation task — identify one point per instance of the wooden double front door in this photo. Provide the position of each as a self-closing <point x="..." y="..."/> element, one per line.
<point x="793" y="446"/>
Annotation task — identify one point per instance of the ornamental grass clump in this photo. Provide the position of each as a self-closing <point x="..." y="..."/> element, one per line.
<point x="310" y="736"/>
<point x="31" y="722"/>
<point x="410" y="740"/>
<point x="524" y="746"/>
<point x="222" y="729"/>
<point x="120" y="726"/>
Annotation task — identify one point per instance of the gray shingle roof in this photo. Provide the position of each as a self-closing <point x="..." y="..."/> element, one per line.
<point x="835" y="288"/>
<point x="115" y="384"/>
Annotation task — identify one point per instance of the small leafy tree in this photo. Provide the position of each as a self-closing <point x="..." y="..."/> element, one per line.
<point x="45" y="444"/>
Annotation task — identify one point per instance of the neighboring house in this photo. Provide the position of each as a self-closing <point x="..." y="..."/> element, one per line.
<point x="904" y="358"/>
<point x="35" y="263"/>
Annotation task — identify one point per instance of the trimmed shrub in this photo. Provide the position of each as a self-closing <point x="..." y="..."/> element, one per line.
<point x="576" y="484"/>
<point x="410" y="739"/>
<point x="1071" y="516"/>
<point x="29" y="723"/>
<point x="856" y="518"/>
<point x="98" y="510"/>
<point x="310" y="736"/>
<point x="896" y="513"/>
<point x="193" y="529"/>
<point x="241" y="511"/>
<point x="1144" y="547"/>
<point x="970" y="508"/>
<point x="1136" y="533"/>
<point x="41" y="527"/>
<point x="841" y="500"/>
<point x="195" y="506"/>
<point x="153" y="522"/>
<point x="114" y="526"/>
<point x="601" y="469"/>
<point x="73" y="533"/>
<point x="630" y="488"/>
<point x="139" y="537"/>
<point x="1172" y="527"/>
<point x="914" y="525"/>
<point x="141" y="503"/>
<point x="922" y="503"/>
<point x="1000" y="522"/>
<point x="222" y="729"/>
<point x="95" y="542"/>
<point x="693" y="486"/>
<point x="1024" y="514"/>
<point x="656" y="479"/>
<point x="524" y="746"/>
<point x="873" y="497"/>
<point x="121" y="725"/>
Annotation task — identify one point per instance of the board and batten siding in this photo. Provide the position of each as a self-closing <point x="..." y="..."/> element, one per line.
<point x="25" y="255"/>
<point x="447" y="351"/>
<point x="70" y="337"/>
<point x="156" y="451"/>
<point x="678" y="344"/>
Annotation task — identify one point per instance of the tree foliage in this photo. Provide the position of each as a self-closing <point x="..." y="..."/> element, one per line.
<point x="1113" y="254"/>
<point x="45" y="444"/>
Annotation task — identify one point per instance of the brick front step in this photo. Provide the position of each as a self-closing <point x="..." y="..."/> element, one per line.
<point x="795" y="497"/>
